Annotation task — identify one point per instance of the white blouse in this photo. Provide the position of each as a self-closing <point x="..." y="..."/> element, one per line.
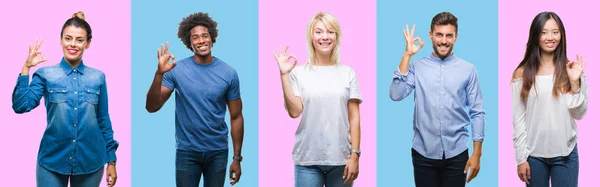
<point x="545" y="126"/>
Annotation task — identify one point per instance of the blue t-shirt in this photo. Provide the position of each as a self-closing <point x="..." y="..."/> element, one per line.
<point x="201" y="95"/>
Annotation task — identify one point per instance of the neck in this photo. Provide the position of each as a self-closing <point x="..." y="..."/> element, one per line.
<point x="547" y="59"/>
<point x="323" y="60"/>
<point x="73" y="63"/>
<point x="207" y="59"/>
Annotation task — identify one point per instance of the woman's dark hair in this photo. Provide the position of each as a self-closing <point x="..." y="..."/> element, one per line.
<point x="193" y="20"/>
<point x="531" y="61"/>
<point x="78" y="20"/>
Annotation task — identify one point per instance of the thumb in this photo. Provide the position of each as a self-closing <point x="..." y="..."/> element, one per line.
<point x="346" y="172"/>
<point x="466" y="168"/>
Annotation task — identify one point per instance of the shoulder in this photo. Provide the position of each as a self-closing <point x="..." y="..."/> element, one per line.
<point x="93" y="72"/>
<point x="51" y="71"/>
<point x="465" y="64"/>
<point x="518" y="73"/>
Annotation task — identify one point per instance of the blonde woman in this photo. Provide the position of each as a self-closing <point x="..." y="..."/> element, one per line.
<point x="326" y="94"/>
<point x="78" y="140"/>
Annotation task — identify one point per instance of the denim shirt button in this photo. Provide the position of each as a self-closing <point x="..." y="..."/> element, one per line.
<point x="75" y="108"/>
<point x="75" y="92"/>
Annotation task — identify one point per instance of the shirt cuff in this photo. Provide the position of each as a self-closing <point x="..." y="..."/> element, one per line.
<point x="398" y="75"/>
<point x="23" y="81"/>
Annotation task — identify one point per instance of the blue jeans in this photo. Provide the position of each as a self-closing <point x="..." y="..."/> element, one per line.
<point x="562" y="171"/>
<point x="317" y="176"/>
<point x="191" y="165"/>
<point x="47" y="178"/>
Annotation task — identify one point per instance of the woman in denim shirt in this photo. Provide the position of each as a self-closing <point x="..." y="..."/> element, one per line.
<point x="78" y="140"/>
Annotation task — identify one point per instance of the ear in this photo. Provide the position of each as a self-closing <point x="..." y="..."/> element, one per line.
<point x="431" y="35"/>
<point x="88" y="44"/>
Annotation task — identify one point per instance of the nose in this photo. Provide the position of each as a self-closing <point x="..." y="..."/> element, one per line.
<point x="444" y="40"/>
<point x="72" y="43"/>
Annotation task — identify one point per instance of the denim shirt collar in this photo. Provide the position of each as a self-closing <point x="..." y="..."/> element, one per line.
<point x="68" y="69"/>
<point x="439" y="60"/>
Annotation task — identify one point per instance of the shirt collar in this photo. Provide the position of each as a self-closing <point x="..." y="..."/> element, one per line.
<point x="439" y="60"/>
<point x="68" y="69"/>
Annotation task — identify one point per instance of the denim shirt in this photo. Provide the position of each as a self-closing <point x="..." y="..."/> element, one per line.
<point x="447" y="100"/>
<point x="78" y="138"/>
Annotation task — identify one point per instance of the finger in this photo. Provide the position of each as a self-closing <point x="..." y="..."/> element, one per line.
<point x="238" y="174"/>
<point x="167" y="48"/>
<point x="406" y="34"/>
<point x="420" y="42"/>
<point x="274" y="55"/>
<point x="162" y="50"/>
<point x="114" y="180"/>
<point x="345" y="173"/>
<point x="466" y="168"/>
<point x="295" y="60"/>
<point x="412" y="32"/>
<point x="39" y="44"/>
<point x="108" y="177"/>
<point x="30" y="48"/>
<point x="286" y="48"/>
<point x="528" y="172"/>
<point x="471" y="176"/>
<point x="280" y="49"/>
<point x="35" y="44"/>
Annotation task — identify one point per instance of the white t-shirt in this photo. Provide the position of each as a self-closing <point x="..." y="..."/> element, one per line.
<point x="545" y="126"/>
<point x="323" y="136"/>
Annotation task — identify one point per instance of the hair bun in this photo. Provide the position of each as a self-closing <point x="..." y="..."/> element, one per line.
<point x="80" y="15"/>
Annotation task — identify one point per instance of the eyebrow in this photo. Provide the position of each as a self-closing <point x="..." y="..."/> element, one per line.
<point x="66" y="35"/>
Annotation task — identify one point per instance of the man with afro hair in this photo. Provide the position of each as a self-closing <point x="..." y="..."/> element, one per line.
<point x="204" y="88"/>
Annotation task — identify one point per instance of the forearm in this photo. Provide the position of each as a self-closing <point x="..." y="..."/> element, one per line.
<point x="292" y="103"/>
<point x="575" y="85"/>
<point x="477" y="148"/>
<point x="237" y="134"/>
<point x="404" y="63"/>
<point x="25" y="70"/>
<point x="153" y="98"/>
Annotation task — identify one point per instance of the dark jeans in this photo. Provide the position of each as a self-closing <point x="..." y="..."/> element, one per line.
<point x="562" y="171"/>
<point x="447" y="172"/>
<point x="191" y="165"/>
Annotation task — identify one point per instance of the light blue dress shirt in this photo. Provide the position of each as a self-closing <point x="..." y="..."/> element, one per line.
<point x="447" y="100"/>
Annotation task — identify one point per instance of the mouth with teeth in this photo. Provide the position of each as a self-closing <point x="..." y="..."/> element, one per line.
<point x="443" y="48"/>
<point x="325" y="44"/>
<point x="201" y="48"/>
<point x="550" y="44"/>
<point x="72" y="51"/>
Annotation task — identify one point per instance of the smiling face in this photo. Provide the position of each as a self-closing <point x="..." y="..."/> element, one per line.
<point x="74" y="42"/>
<point x="324" y="38"/>
<point x="443" y="38"/>
<point x="201" y="41"/>
<point x="550" y="36"/>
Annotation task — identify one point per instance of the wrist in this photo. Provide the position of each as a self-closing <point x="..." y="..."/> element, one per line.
<point x="238" y="158"/>
<point x="407" y="54"/>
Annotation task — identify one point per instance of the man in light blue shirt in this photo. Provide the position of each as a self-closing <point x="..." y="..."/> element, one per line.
<point x="447" y="100"/>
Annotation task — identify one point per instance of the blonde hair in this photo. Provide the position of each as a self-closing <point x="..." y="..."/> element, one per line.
<point x="330" y="22"/>
<point x="79" y="15"/>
